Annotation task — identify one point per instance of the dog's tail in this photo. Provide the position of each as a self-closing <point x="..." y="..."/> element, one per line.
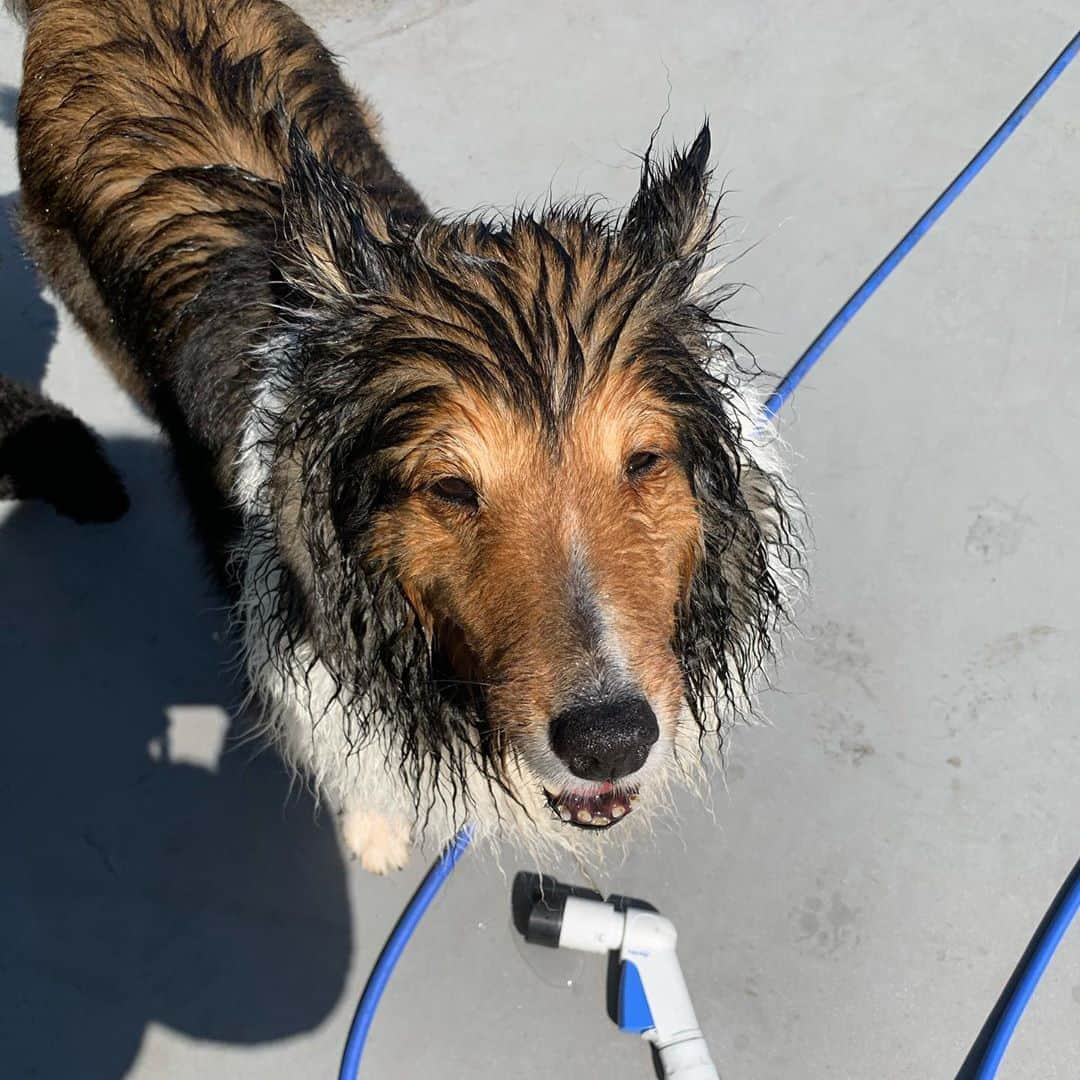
<point x="46" y="452"/>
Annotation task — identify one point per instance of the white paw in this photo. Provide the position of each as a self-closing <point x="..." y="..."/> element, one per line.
<point x="380" y="843"/>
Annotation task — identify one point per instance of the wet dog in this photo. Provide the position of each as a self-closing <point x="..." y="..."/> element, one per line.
<point x="504" y="540"/>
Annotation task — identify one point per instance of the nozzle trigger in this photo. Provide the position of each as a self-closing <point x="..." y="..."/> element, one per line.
<point x="634" y="1012"/>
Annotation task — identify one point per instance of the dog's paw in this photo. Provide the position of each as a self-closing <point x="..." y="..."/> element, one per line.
<point x="381" y="843"/>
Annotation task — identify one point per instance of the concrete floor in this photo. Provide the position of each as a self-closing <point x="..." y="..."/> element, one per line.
<point x="879" y="855"/>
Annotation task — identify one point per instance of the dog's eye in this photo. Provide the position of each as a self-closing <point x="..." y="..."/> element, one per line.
<point x="456" y="490"/>
<point x="644" y="461"/>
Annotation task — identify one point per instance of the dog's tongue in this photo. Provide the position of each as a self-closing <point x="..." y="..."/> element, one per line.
<point x="594" y="809"/>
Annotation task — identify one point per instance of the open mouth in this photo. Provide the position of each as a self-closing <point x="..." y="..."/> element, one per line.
<point x="599" y="809"/>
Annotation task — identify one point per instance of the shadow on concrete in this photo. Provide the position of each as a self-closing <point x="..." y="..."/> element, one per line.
<point x="27" y="320"/>
<point x="143" y="879"/>
<point x="146" y="877"/>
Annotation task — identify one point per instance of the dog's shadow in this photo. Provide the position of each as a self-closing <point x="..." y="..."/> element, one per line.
<point x="27" y="320"/>
<point x="146" y="876"/>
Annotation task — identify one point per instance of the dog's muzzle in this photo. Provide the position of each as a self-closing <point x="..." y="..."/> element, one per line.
<point x="601" y="741"/>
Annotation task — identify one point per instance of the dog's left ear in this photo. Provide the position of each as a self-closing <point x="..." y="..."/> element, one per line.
<point x="336" y="236"/>
<point x="673" y="218"/>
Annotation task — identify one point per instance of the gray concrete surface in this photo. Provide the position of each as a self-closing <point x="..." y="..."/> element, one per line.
<point x="879" y="854"/>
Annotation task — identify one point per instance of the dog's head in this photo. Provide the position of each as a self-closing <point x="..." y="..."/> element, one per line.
<point x="533" y="529"/>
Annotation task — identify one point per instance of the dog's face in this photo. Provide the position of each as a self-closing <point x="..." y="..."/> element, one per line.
<point x="547" y="567"/>
<point x="537" y="489"/>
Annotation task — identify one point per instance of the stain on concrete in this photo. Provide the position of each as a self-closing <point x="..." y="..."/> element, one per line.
<point x="1004" y="672"/>
<point x="840" y="649"/>
<point x="997" y="531"/>
<point x="824" y="927"/>
<point x="1012" y="647"/>
<point x="843" y="738"/>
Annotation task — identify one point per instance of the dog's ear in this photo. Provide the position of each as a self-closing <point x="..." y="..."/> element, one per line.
<point x="726" y="627"/>
<point x="336" y="236"/>
<point x="672" y="218"/>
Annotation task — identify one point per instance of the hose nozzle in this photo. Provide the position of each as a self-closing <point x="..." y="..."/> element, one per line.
<point x="652" y="997"/>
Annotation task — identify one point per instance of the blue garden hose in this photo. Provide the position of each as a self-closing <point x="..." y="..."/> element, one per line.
<point x="810" y="357"/>
<point x="394" y="947"/>
<point x="985" y="1057"/>
<point x="1002" y="1021"/>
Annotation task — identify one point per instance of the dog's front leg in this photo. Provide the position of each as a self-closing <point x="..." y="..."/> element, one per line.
<point x="381" y="841"/>
<point x="352" y="781"/>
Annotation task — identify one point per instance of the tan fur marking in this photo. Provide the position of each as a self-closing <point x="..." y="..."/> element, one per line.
<point x="499" y="577"/>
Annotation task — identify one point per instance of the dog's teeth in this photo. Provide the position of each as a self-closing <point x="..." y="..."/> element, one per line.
<point x="564" y="814"/>
<point x="618" y="810"/>
<point x="633" y="798"/>
<point x="601" y="820"/>
<point x="584" y="816"/>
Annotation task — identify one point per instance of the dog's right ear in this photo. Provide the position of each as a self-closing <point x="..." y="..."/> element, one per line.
<point x="336" y="237"/>
<point x="672" y="218"/>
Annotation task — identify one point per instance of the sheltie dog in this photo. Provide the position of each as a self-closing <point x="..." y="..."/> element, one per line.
<point x="504" y="539"/>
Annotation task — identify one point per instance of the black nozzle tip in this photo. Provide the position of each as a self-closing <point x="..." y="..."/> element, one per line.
<point x="538" y="902"/>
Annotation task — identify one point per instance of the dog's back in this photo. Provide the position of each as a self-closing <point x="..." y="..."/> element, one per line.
<point x="153" y="145"/>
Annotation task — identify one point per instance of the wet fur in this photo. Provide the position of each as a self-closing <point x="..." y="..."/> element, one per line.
<point x="214" y="206"/>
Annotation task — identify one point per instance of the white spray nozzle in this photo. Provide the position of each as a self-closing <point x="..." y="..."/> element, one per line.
<point x="653" y="1000"/>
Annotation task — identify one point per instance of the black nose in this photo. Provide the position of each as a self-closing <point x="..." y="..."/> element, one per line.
<point x="605" y="740"/>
